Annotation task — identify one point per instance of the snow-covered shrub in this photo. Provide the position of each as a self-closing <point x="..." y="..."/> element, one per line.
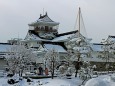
<point x="70" y="70"/>
<point x="86" y="71"/>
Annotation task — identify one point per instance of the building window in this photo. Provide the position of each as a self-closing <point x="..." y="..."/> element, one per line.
<point x="42" y="28"/>
<point x="51" y="28"/>
<point x="37" y="42"/>
<point x="46" y="28"/>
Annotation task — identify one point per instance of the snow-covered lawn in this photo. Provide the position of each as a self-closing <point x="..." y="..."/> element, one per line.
<point x="64" y="82"/>
<point x="103" y="80"/>
<point x="44" y="82"/>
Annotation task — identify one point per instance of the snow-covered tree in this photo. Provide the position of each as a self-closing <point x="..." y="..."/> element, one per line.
<point x="69" y="66"/>
<point x="85" y="72"/>
<point x="68" y="60"/>
<point x="108" y="48"/>
<point x="52" y="59"/>
<point x="18" y="58"/>
<point x="79" y="48"/>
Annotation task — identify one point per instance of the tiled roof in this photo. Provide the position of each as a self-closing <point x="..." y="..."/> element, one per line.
<point x="4" y="47"/>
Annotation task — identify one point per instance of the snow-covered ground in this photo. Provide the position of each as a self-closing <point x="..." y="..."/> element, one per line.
<point x="103" y="80"/>
<point x="44" y="82"/>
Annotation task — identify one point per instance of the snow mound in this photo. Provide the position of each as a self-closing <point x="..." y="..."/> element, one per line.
<point x="96" y="82"/>
<point x="101" y="81"/>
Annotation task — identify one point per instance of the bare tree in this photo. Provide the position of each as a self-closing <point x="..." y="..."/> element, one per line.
<point x="52" y="58"/>
<point x="18" y="58"/>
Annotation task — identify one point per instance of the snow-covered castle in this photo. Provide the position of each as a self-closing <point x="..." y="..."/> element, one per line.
<point x="43" y="35"/>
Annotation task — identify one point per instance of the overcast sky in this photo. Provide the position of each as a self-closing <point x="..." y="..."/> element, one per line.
<point x="98" y="15"/>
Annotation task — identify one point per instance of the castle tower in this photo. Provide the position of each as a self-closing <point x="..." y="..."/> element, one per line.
<point x="45" y="27"/>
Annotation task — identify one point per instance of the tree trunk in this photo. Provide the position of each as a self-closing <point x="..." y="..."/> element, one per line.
<point x="21" y="73"/>
<point x="77" y="65"/>
<point x="52" y="69"/>
<point x="76" y="73"/>
<point x="13" y="71"/>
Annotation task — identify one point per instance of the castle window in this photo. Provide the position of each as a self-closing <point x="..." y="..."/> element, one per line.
<point x="42" y="28"/>
<point x="37" y="29"/>
<point x="51" y="28"/>
<point x="46" y="28"/>
<point x="37" y="42"/>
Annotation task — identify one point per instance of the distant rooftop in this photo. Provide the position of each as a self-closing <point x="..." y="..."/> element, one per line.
<point x="111" y="36"/>
<point x="4" y="47"/>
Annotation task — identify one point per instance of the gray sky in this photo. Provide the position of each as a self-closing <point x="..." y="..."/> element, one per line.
<point x="98" y="15"/>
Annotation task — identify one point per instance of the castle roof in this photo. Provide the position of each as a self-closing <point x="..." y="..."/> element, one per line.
<point x="58" y="38"/>
<point x="64" y="36"/>
<point x="59" y="48"/>
<point x="44" y="20"/>
<point x="111" y="39"/>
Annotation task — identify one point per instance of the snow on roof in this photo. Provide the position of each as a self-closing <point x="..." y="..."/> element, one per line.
<point x="57" y="47"/>
<point x="4" y="47"/>
<point x="45" y="35"/>
<point x="81" y="49"/>
<point x="44" y="19"/>
<point x="96" y="47"/>
<point x="36" y="38"/>
<point x="33" y="37"/>
<point x="62" y="38"/>
<point x="111" y="38"/>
